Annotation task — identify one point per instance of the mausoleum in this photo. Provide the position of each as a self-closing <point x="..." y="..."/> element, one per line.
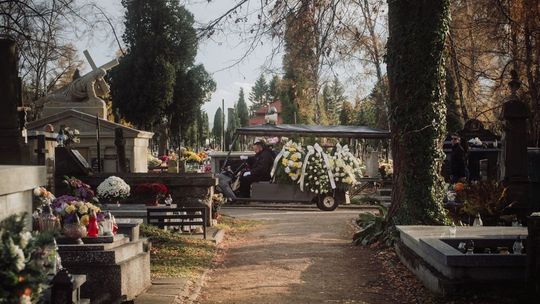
<point x="136" y="141"/>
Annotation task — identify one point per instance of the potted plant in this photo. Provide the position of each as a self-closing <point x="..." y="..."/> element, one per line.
<point x="151" y="193"/>
<point x="482" y="198"/>
<point x="113" y="189"/>
<point x="75" y="215"/>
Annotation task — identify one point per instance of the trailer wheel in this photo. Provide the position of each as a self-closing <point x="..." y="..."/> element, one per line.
<point x="327" y="202"/>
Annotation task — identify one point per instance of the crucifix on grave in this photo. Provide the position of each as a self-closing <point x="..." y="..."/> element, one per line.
<point x="100" y="85"/>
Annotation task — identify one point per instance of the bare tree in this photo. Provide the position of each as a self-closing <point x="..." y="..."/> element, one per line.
<point x="43" y="30"/>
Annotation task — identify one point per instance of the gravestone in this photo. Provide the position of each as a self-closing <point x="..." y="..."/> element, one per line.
<point x="12" y="145"/>
<point x="16" y="181"/>
<point x="372" y="164"/>
<point x="515" y="113"/>
<point x="482" y="160"/>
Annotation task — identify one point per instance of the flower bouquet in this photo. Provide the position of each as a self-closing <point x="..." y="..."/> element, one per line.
<point x="25" y="261"/>
<point x="191" y="157"/>
<point x="79" y="189"/>
<point x="288" y="162"/>
<point x="113" y="189"/>
<point x="77" y="217"/>
<point x="151" y="192"/>
<point x="386" y="169"/>
<point x="345" y="167"/>
<point x="43" y="196"/>
<point x="192" y="160"/>
<point x="67" y="136"/>
<point x="316" y="174"/>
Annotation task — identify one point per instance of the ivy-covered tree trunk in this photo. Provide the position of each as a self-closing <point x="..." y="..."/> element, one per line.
<point x="417" y="33"/>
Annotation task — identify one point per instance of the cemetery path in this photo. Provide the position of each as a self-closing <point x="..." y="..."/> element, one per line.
<point x="297" y="257"/>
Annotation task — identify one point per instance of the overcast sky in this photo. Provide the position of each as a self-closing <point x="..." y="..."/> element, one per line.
<point x="215" y="54"/>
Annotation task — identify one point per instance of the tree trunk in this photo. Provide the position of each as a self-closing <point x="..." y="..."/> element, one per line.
<point x="457" y="77"/>
<point x="417" y="33"/>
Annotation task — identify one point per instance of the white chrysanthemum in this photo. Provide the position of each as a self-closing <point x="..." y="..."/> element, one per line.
<point x="25" y="239"/>
<point x="287" y="170"/>
<point x="113" y="187"/>
<point x="17" y="254"/>
<point x="286" y="153"/>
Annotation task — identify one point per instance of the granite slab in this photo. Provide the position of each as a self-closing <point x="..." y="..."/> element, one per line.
<point x="431" y="253"/>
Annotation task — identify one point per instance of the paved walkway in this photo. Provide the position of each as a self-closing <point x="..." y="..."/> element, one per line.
<point x="302" y="256"/>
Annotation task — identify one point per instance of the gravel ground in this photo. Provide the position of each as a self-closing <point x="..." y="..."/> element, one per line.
<point x="306" y="256"/>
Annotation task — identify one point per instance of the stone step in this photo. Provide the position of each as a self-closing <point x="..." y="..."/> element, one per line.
<point x="385" y="192"/>
<point x="109" y="256"/>
<point x="119" y="240"/>
<point x="382" y="198"/>
<point x="113" y="283"/>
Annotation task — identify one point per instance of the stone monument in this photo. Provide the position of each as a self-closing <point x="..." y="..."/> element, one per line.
<point x="515" y="113"/>
<point x="83" y="93"/>
<point x="16" y="181"/>
<point x="372" y="163"/>
<point x="12" y="147"/>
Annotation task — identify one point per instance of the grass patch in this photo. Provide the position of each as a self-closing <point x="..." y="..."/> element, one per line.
<point x="175" y="255"/>
<point x="232" y="225"/>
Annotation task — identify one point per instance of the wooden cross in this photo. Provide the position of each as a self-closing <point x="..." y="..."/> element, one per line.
<point x="103" y="87"/>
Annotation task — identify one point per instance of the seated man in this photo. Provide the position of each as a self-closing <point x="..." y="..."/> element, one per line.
<point x="260" y="167"/>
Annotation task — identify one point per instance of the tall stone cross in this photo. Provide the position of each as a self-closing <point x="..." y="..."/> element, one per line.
<point x="100" y="84"/>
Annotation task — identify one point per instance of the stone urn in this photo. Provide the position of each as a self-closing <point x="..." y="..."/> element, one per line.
<point x="75" y="231"/>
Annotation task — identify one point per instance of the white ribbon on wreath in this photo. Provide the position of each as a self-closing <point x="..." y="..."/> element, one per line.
<point x="276" y="160"/>
<point x="327" y="163"/>
<point x="344" y="152"/>
<point x="310" y="152"/>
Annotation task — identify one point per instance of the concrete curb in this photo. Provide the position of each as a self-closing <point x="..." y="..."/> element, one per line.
<point x="196" y="289"/>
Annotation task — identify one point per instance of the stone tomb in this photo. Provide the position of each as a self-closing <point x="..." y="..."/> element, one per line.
<point x="431" y="253"/>
<point x="136" y="141"/>
<point x="116" y="268"/>
<point x="16" y="187"/>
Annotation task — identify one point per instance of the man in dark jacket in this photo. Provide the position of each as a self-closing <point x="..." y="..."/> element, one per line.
<point x="260" y="166"/>
<point x="458" y="160"/>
